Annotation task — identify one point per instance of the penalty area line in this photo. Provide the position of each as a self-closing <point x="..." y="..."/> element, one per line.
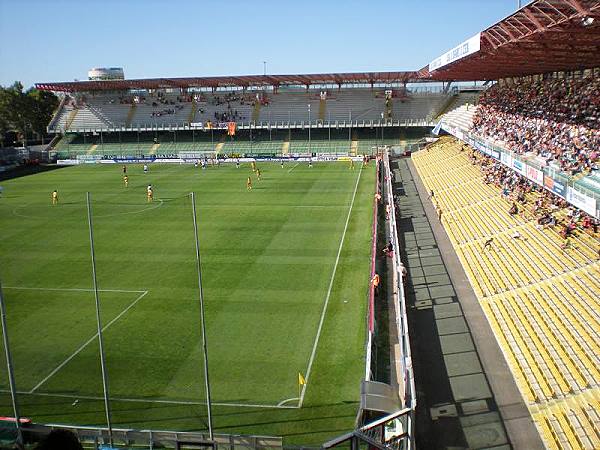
<point x="295" y="165"/>
<point x="333" y="272"/>
<point x="88" y="342"/>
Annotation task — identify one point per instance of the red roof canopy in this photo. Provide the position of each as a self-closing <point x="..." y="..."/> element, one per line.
<point x="543" y="36"/>
<point x="232" y="81"/>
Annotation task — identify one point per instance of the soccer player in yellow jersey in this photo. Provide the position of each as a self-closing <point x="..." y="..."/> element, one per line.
<point x="253" y="164"/>
<point x="54" y="197"/>
<point x="258" y="174"/>
<point x="351" y="164"/>
<point x="249" y="184"/>
<point x="126" y="180"/>
<point x="150" y="195"/>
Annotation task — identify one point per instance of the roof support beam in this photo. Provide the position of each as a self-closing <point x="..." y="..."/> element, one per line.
<point x="533" y="19"/>
<point x="576" y="6"/>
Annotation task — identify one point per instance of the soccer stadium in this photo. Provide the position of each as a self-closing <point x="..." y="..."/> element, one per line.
<point x="387" y="260"/>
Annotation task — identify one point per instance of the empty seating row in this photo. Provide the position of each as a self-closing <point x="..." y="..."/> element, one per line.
<point x="571" y="424"/>
<point x="172" y="109"/>
<point x="541" y="299"/>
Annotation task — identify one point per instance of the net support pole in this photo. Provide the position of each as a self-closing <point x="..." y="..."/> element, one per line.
<point x="11" y="375"/>
<point x="202" y="319"/>
<point x="99" y="323"/>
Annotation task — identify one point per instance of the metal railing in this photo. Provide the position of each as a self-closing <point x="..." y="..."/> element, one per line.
<point x="405" y="375"/>
<point x="98" y="437"/>
<point x="391" y="432"/>
<point x="262" y="125"/>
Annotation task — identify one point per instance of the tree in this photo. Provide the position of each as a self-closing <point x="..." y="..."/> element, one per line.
<point x="24" y="112"/>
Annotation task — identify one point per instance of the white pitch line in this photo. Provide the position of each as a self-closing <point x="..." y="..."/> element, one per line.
<point x="72" y="289"/>
<point x="131" y="212"/>
<point x="295" y="165"/>
<point x="61" y="365"/>
<point x="146" y="208"/>
<point x="144" y="400"/>
<point x="254" y="206"/>
<point x="322" y="319"/>
<point x="282" y="402"/>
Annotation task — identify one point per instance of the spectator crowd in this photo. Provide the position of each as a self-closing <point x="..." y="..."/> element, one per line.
<point x="547" y="208"/>
<point x="557" y="119"/>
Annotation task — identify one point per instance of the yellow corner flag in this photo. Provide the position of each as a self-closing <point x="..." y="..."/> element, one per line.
<point x="301" y="382"/>
<point x="301" y="379"/>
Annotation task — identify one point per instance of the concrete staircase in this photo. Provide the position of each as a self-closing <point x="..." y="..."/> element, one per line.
<point x="154" y="149"/>
<point x="71" y="118"/>
<point x="256" y="112"/>
<point x="130" y="115"/>
<point x="322" y="109"/>
<point x="193" y="111"/>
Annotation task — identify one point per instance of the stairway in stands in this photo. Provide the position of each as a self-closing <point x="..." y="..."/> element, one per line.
<point x="256" y="111"/>
<point x="130" y="115"/>
<point x="450" y="104"/>
<point x="461" y="116"/>
<point x="154" y="149"/>
<point x="354" y="147"/>
<point x="322" y="109"/>
<point x="193" y="111"/>
<point x="71" y="118"/>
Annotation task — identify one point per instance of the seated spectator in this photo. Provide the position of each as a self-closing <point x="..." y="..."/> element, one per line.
<point x="555" y="118"/>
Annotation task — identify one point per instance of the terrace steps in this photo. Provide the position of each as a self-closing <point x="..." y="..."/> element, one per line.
<point x="71" y="118"/>
<point x="154" y="149"/>
<point x="193" y="111"/>
<point x="256" y="111"/>
<point x="130" y="114"/>
<point x="322" y="109"/>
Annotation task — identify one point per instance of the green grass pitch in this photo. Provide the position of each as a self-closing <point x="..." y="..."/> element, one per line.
<point x="270" y="263"/>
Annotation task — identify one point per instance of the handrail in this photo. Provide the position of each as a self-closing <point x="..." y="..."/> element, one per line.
<point x="281" y="125"/>
<point x="402" y="319"/>
<point x="56" y="114"/>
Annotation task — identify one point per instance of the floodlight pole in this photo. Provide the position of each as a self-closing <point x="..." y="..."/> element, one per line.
<point x="11" y="375"/>
<point x="384" y="121"/>
<point x="309" y="127"/>
<point x="202" y="320"/>
<point x="99" y="323"/>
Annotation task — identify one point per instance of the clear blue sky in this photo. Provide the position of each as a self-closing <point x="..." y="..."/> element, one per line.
<point x="59" y="40"/>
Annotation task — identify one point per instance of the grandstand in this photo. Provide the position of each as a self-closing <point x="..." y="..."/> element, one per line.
<point x="491" y="233"/>
<point x="274" y="115"/>
<point x="538" y="297"/>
